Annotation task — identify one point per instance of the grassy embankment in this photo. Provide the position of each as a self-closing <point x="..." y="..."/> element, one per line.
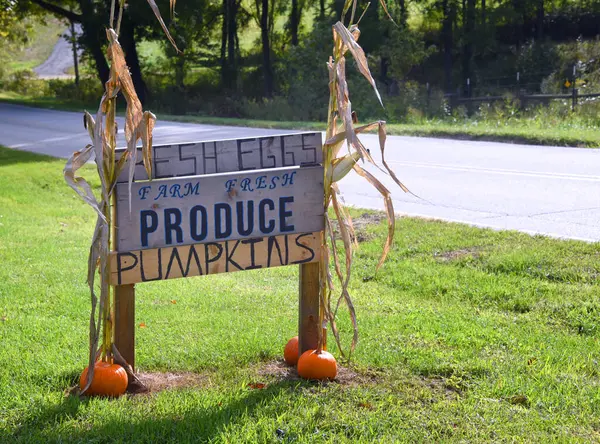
<point x="465" y="335"/>
<point x="42" y="39"/>
<point x="527" y="131"/>
<point x="553" y="131"/>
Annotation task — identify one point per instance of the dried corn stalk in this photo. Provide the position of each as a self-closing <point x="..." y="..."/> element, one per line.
<point x="103" y="134"/>
<point x="340" y="130"/>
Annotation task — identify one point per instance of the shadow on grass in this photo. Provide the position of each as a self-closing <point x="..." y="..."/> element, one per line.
<point x="200" y="424"/>
<point x="10" y="156"/>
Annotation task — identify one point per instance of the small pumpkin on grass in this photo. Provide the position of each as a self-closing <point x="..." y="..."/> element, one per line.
<point x="317" y="364"/>
<point x="108" y="380"/>
<point x="290" y="353"/>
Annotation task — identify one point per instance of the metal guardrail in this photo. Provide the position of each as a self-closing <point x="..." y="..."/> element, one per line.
<point x="574" y="96"/>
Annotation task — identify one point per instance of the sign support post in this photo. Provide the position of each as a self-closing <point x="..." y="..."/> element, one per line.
<point x="125" y="322"/>
<point x="310" y="305"/>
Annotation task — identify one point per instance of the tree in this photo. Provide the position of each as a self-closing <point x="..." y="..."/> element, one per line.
<point x="13" y="31"/>
<point x="540" y="20"/>
<point x="229" y="53"/>
<point x="295" y="21"/>
<point x="266" y="47"/>
<point x="468" y="38"/>
<point x="265" y="12"/>
<point x="93" y="16"/>
<point x="449" y="14"/>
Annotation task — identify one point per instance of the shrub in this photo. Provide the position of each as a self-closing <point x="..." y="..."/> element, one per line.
<point x="26" y="82"/>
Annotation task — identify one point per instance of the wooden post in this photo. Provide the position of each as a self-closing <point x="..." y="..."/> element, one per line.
<point x="125" y="322"/>
<point x="308" y="324"/>
<point x="124" y="308"/>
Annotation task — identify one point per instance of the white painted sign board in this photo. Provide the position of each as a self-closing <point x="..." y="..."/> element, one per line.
<point x="221" y="206"/>
<point x="223" y="156"/>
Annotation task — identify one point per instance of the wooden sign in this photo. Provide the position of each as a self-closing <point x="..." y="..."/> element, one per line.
<point x="214" y="257"/>
<point x="219" y="207"/>
<point x="224" y="156"/>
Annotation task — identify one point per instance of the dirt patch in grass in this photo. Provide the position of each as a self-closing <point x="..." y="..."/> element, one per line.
<point x="448" y="387"/>
<point x="454" y="255"/>
<point x="360" y="224"/>
<point x="157" y="382"/>
<point x="280" y="371"/>
<point x="153" y="382"/>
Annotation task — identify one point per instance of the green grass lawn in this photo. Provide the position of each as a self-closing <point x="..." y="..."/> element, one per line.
<point x="466" y="335"/>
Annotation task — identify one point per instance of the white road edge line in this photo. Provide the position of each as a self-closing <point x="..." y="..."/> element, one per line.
<point x="481" y="225"/>
<point x="53" y="139"/>
<point x="505" y="172"/>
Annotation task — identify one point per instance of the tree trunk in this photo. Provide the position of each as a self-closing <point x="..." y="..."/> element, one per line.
<point x="266" y="48"/>
<point x="469" y="27"/>
<point x="224" y="76"/>
<point x="228" y="44"/>
<point x="540" y="20"/>
<point x="403" y="16"/>
<point x="448" y="39"/>
<point x="517" y="5"/>
<point x="93" y="38"/>
<point x="483" y="11"/>
<point x="74" y="49"/>
<point x="231" y="38"/>
<point x="294" y="22"/>
<point x="127" y="40"/>
<point x="322" y="9"/>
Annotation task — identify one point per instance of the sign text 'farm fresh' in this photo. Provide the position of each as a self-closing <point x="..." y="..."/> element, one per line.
<point x="219" y="207"/>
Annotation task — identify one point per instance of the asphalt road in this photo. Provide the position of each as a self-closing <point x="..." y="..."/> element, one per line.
<point x="60" y="60"/>
<point x="547" y="190"/>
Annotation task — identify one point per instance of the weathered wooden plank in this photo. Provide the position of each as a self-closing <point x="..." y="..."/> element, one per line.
<point x="130" y="267"/>
<point x="220" y="207"/>
<point x="223" y="156"/>
<point x="310" y="305"/>
<point x="125" y="322"/>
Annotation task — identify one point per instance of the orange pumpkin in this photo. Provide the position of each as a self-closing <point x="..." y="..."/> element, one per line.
<point x="313" y="365"/>
<point x="109" y="380"/>
<point x="290" y="353"/>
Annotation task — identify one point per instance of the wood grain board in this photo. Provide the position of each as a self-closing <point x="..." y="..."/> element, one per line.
<point x="214" y="257"/>
<point x="223" y="156"/>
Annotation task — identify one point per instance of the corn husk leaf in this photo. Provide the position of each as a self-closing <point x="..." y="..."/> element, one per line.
<point x="385" y="8"/>
<point x="103" y="133"/>
<point x="382" y="138"/>
<point x="121" y="79"/>
<point x="78" y="183"/>
<point x="345" y="233"/>
<point x="389" y="209"/>
<point x="343" y="165"/>
<point x="156" y="11"/>
<point x="357" y="52"/>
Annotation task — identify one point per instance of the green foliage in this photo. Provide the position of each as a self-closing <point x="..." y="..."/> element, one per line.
<point x="27" y="83"/>
<point x="25" y="42"/>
